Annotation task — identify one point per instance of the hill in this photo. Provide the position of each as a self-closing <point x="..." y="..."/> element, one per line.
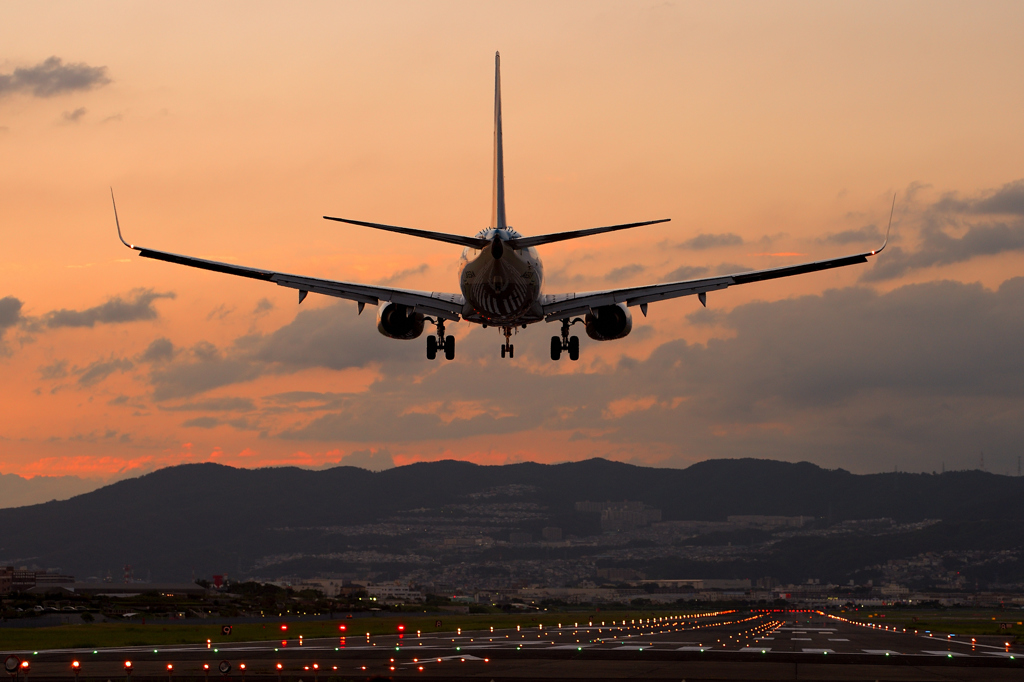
<point x="209" y="518"/>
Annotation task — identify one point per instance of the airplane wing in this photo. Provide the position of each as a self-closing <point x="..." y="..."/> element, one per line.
<point x="446" y="306"/>
<point x="560" y="306"/>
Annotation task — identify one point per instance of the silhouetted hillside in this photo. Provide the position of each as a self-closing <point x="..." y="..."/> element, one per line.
<point x="212" y="518"/>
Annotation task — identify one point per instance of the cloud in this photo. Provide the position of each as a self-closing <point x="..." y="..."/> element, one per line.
<point x="956" y="229"/>
<point x="868" y="233"/>
<point x="263" y="306"/>
<point x="99" y="370"/>
<point x="685" y="272"/>
<point x="711" y="241"/>
<point x="402" y="274"/>
<point x="214" y="405"/>
<point x="57" y="370"/>
<point x="625" y="272"/>
<point x="53" y="77"/>
<point x="159" y="350"/>
<point x="10" y="316"/>
<point x="137" y="307"/>
<point x="74" y="116"/>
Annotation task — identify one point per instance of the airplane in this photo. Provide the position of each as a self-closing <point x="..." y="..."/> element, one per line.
<point x="501" y="278"/>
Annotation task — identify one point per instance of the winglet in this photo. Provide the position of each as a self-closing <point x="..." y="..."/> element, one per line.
<point x="118" y="222"/>
<point x="891" y="210"/>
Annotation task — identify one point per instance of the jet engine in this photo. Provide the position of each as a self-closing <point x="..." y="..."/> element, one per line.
<point x="398" y="321"/>
<point x="609" y="322"/>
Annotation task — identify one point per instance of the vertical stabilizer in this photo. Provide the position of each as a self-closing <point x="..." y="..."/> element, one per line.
<point x="498" y="202"/>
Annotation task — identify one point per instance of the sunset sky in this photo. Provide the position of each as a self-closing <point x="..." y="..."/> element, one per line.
<point x="770" y="133"/>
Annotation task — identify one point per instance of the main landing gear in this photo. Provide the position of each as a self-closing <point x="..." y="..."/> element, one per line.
<point x="566" y="342"/>
<point x="507" y="347"/>
<point x="440" y="342"/>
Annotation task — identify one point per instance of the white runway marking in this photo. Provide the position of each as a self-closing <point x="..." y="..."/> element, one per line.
<point x="945" y="653"/>
<point x="837" y="639"/>
<point x="818" y="651"/>
<point x="881" y="652"/>
<point x="756" y="648"/>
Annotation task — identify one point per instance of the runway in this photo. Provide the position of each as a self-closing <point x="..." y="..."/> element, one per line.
<point x="755" y="645"/>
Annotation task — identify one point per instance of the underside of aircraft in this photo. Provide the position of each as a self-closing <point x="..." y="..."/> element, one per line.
<point x="500" y="279"/>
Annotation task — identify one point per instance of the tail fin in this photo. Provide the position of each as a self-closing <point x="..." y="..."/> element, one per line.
<point x="498" y="202"/>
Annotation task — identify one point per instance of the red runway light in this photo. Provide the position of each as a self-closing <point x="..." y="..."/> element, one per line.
<point x="342" y="628"/>
<point x="170" y="667"/>
<point x="283" y="626"/>
<point x="76" y="665"/>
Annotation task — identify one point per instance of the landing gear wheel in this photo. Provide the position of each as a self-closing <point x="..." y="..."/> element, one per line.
<point x="503" y="351"/>
<point x="511" y="351"/>
<point x="449" y="348"/>
<point x="574" y="348"/>
<point x="431" y="347"/>
<point x="556" y="348"/>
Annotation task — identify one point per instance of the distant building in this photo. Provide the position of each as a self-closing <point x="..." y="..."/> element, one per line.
<point x="552" y="534"/>
<point x="22" y="579"/>
<point x="520" y="537"/>
<point x="621" y="515"/>
<point x="395" y="592"/>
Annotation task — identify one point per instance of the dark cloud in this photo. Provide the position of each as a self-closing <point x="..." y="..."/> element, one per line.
<point x="202" y="422"/>
<point x="53" y="77"/>
<point x="685" y="272"/>
<point x="55" y="371"/>
<point x="203" y="367"/>
<point x="214" y="405"/>
<point x="263" y="306"/>
<point x="625" y="272"/>
<point x="402" y="274"/>
<point x="220" y="312"/>
<point x="159" y="350"/>
<point x="851" y="378"/>
<point x="10" y="315"/>
<point x="74" y="116"/>
<point x="939" y="248"/>
<point x="137" y="307"/>
<point x="868" y="233"/>
<point x="710" y="241"/>
<point x="956" y="229"/>
<point x="99" y="370"/>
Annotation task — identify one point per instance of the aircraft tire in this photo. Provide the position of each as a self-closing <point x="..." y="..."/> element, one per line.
<point x="556" y="348"/>
<point x="503" y="350"/>
<point x="449" y="348"/>
<point x="431" y="347"/>
<point x="574" y="348"/>
<point x="511" y="351"/>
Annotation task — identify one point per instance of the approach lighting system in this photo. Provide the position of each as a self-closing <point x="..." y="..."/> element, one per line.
<point x="76" y="668"/>
<point x="342" y="627"/>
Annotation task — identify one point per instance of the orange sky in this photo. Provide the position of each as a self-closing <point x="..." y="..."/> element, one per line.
<point x="227" y="130"/>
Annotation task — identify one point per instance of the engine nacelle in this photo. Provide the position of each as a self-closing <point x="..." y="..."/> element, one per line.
<point x="397" y="321"/>
<point x="609" y="322"/>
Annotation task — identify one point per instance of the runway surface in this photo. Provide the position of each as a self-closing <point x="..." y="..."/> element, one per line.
<point x="713" y="646"/>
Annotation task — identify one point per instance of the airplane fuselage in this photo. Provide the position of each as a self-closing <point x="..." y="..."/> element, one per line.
<point x="502" y="286"/>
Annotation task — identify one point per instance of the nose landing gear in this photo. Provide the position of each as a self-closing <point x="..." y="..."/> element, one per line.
<point x="566" y="342"/>
<point x="440" y="342"/>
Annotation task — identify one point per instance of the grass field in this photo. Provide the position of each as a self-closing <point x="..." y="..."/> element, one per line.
<point x="953" y="621"/>
<point x="156" y="634"/>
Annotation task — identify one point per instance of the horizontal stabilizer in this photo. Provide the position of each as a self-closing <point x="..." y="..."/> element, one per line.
<point x="527" y="242"/>
<point x="478" y="243"/>
<point x="472" y="242"/>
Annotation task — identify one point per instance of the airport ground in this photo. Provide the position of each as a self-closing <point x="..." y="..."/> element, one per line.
<point x="731" y="645"/>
